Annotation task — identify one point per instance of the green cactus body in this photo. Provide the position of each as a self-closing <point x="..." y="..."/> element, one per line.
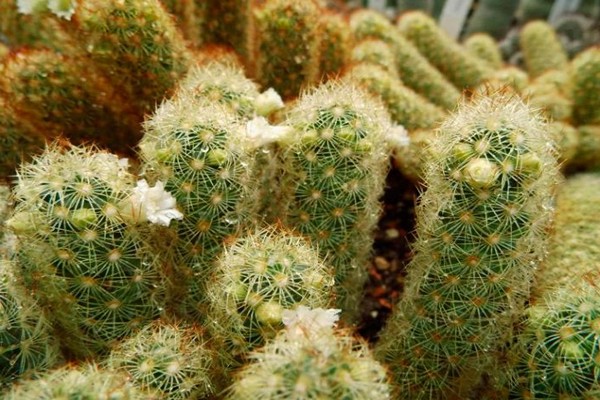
<point x="76" y="253"/>
<point x="257" y="278"/>
<point x="335" y="46"/>
<point x="20" y="140"/>
<point x="588" y="148"/>
<point x="533" y="9"/>
<point x="560" y="344"/>
<point x="553" y="103"/>
<point x="311" y="363"/>
<point x="585" y="69"/>
<point x="196" y="149"/>
<point x="406" y="107"/>
<point x="480" y="228"/>
<point x="542" y="49"/>
<point x="508" y="76"/>
<point x="224" y="83"/>
<point x="493" y="17"/>
<point x="87" y="382"/>
<point x="170" y="360"/>
<point x="64" y="95"/>
<point x="136" y="44"/>
<point x="567" y="140"/>
<point x="228" y="22"/>
<point x="410" y="159"/>
<point x="190" y="17"/>
<point x="414" y="69"/>
<point x="461" y="68"/>
<point x="375" y="51"/>
<point x="26" y="343"/>
<point x="286" y="45"/>
<point x="573" y="249"/>
<point x="335" y="167"/>
<point x="484" y="47"/>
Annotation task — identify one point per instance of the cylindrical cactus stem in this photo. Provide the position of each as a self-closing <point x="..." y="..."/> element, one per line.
<point x="375" y="51"/>
<point x="480" y="227"/>
<point x="198" y="149"/>
<point x="509" y="76"/>
<point x="464" y="70"/>
<point x="190" y="17"/>
<point x="542" y="49"/>
<point x="584" y="70"/>
<point x="170" y="359"/>
<point x="559" y="345"/>
<point x="573" y="250"/>
<point x="87" y="381"/>
<point x="309" y="359"/>
<point x="335" y="166"/>
<point x="256" y="279"/>
<point x="20" y="140"/>
<point x="588" y="147"/>
<point x="405" y="106"/>
<point x="286" y="45"/>
<point x="484" y="47"/>
<point x="77" y="253"/>
<point x="137" y="46"/>
<point x="566" y="137"/>
<point x="415" y="70"/>
<point x="335" y="46"/>
<point x="26" y="343"/>
<point x="228" y="22"/>
<point x="65" y="96"/>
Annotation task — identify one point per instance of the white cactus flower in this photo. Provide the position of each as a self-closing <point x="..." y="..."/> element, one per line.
<point x="304" y="321"/>
<point x="63" y="8"/>
<point x="397" y="136"/>
<point x="30" y="6"/>
<point x="268" y="102"/>
<point x="261" y="133"/>
<point x="155" y="205"/>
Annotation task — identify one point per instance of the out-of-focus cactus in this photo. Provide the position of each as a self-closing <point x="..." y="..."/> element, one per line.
<point x="335" y="164"/>
<point x="20" y="141"/>
<point x="27" y="346"/>
<point x="198" y="149"/>
<point x="257" y="278"/>
<point x="493" y="17"/>
<point x="416" y="72"/>
<point x="76" y="252"/>
<point x="310" y="359"/>
<point x="190" y="16"/>
<point x="375" y="51"/>
<point x="481" y="224"/>
<point x="566" y="137"/>
<point x="588" y="149"/>
<point x="573" y="250"/>
<point x="286" y="44"/>
<point x="335" y="46"/>
<point x="410" y="159"/>
<point x="461" y="68"/>
<point x="484" y="47"/>
<point x="542" y="49"/>
<point x="228" y="22"/>
<point x="65" y="96"/>
<point x="136" y="44"/>
<point x="507" y="77"/>
<point x="585" y="70"/>
<point x="530" y="10"/>
<point x="406" y="107"/>
<point x="173" y="361"/>
<point x="84" y="382"/>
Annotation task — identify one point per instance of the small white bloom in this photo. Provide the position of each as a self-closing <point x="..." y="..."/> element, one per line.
<point x="155" y="204"/>
<point x="303" y="320"/>
<point x="63" y="8"/>
<point x="397" y="137"/>
<point x="268" y="102"/>
<point x="261" y="133"/>
<point x="30" y="6"/>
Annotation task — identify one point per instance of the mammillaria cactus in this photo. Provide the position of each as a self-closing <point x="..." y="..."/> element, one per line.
<point x="78" y="253"/>
<point x="480" y="230"/>
<point x="257" y="278"/>
<point x="541" y="48"/>
<point x="309" y="359"/>
<point x="484" y="47"/>
<point x="584" y="76"/>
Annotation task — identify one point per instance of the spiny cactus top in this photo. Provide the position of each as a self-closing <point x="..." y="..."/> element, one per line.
<point x="257" y="278"/>
<point x="335" y="166"/>
<point x="480" y="228"/>
<point x="77" y="253"/>
<point x="310" y="359"/>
